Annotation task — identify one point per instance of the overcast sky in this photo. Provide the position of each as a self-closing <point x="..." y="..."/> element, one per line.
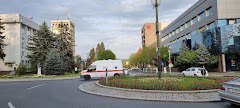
<point x="117" y="23"/>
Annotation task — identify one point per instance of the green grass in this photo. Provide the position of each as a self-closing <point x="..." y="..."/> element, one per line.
<point x="35" y="76"/>
<point x="166" y="83"/>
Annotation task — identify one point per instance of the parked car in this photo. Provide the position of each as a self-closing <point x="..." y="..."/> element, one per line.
<point x="98" y="69"/>
<point x="195" y="71"/>
<point x="230" y="91"/>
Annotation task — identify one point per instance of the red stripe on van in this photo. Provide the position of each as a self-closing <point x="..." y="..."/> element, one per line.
<point x="104" y="71"/>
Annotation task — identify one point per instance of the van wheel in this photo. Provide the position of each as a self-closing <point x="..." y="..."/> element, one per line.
<point x="116" y="75"/>
<point x="195" y="75"/>
<point x="87" y="77"/>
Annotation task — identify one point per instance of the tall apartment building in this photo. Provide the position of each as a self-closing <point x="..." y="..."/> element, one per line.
<point x="18" y="29"/>
<point x="214" y="23"/>
<point x="57" y="26"/>
<point x="149" y="37"/>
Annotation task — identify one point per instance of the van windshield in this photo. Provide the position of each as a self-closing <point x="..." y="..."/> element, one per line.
<point x="91" y="68"/>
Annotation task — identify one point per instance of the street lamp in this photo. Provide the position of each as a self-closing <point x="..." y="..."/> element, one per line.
<point x="155" y="4"/>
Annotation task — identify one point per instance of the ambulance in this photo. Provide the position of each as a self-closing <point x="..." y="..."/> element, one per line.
<point x="102" y="68"/>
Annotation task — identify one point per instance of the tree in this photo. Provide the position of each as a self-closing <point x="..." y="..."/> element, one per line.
<point x="78" y="60"/>
<point x="133" y="60"/>
<point x="40" y="44"/>
<point x="144" y="56"/>
<point x="64" y="46"/>
<point x="2" y="44"/>
<point x="187" y="58"/>
<point x="53" y="64"/>
<point x="98" y="48"/>
<point x="105" y="55"/>
<point x="203" y="54"/>
<point x="21" y="70"/>
<point x="164" y="54"/>
<point x="102" y="46"/>
<point x="92" y="57"/>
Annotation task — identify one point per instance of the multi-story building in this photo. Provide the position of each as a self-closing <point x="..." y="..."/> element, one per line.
<point x="149" y="37"/>
<point x="214" y="23"/>
<point x="58" y="25"/>
<point x="17" y="30"/>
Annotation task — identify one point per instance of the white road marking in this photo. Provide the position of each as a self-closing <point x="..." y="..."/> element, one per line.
<point x="10" y="105"/>
<point x="36" y="86"/>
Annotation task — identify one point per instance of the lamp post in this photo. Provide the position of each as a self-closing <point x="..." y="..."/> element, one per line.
<point x="169" y="60"/>
<point x="155" y="4"/>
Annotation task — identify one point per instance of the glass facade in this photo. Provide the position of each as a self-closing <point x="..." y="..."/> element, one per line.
<point x="219" y="40"/>
<point x="222" y="23"/>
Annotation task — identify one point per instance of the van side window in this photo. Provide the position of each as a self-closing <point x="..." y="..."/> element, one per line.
<point x="91" y="68"/>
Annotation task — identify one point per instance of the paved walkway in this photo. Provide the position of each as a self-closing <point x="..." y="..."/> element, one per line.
<point x="198" y="96"/>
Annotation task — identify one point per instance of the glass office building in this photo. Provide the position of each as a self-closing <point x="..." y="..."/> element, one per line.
<point x="216" y="24"/>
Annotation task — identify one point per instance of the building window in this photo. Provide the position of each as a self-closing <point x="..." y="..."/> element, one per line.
<point x="231" y="21"/>
<point x="182" y="28"/>
<point x="210" y="26"/>
<point x="177" y="30"/>
<point x="201" y="16"/>
<point x="222" y="23"/>
<point x="238" y="20"/>
<point x="209" y="11"/>
<point x="202" y="29"/>
<point x="194" y="21"/>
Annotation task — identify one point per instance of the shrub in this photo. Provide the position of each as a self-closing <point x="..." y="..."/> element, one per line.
<point x="21" y="70"/>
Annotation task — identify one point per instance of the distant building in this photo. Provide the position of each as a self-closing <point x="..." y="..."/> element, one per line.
<point x="149" y="37"/>
<point x="57" y="26"/>
<point x="18" y="29"/>
<point x="214" y="23"/>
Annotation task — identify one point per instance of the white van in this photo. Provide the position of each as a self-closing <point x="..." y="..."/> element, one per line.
<point x="98" y="69"/>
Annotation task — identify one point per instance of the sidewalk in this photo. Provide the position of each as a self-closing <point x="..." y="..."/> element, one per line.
<point x="35" y="79"/>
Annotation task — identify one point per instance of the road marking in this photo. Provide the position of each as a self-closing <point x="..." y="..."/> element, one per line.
<point x="36" y="86"/>
<point x="10" y="105"/>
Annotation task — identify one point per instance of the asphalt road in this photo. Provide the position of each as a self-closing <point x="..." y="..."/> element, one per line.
<point x="65" y="94"/>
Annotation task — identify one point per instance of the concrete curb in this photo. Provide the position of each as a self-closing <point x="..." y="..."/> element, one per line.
<point x="142" y="93"/>
<point x="35" y="79"/>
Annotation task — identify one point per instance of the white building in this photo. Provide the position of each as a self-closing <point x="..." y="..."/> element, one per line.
<point x="18" y="29"/>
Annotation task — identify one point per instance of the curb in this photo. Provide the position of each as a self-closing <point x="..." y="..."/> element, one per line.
<point x="81" y="88"/>
<point x="36" y="79"/>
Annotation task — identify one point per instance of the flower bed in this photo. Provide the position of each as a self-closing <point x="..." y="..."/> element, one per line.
<point x="166" y="83"/>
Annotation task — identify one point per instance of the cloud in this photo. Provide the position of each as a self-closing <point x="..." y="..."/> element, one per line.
<point x="117" y="23"/>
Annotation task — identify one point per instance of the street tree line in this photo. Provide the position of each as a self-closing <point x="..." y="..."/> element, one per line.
<point x="147" y="56"/>
<point x="199" y="56"/>
<point x="100" y="54"/>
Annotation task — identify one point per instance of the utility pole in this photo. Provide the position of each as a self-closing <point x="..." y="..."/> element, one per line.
<point x="156" y="4"/>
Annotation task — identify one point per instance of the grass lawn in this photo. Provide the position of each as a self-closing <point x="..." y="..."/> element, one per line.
<point x="35" y="76"/>
<point x="166" y="83"/>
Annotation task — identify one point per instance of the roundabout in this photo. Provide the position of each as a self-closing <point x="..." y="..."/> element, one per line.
<point x="173" y="89"/>
<point x="151" y="95"/>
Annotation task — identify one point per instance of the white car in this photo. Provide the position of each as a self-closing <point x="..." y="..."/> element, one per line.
<point x="195" y="71"/>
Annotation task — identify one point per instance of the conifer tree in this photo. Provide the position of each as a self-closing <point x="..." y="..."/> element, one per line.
<point x="53" y="64"/>
<point x="39" y="45"/>
<point x="2" y="44"/>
